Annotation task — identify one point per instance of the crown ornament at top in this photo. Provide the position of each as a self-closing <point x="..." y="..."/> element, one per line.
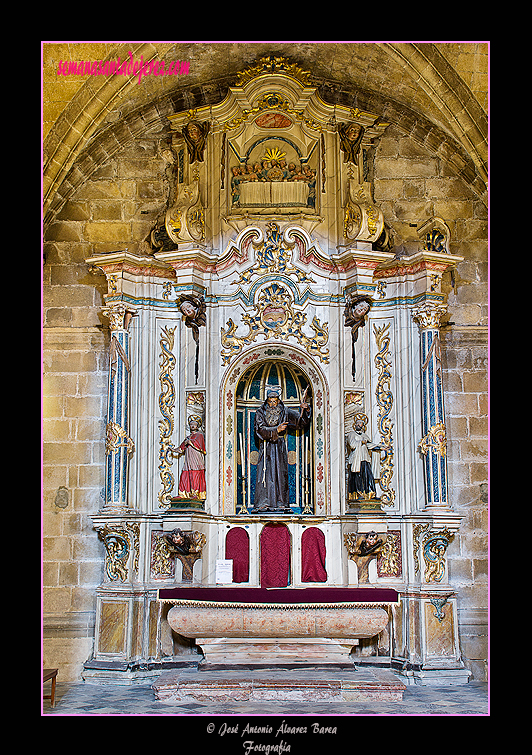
<point x="274" y="64"/>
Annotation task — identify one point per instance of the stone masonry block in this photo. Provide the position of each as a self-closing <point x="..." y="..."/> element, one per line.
<point x="115" y="232"/>
<point x="474" y="449"/>
<point x="461" y="404"/>
<point x="475" y="382"/>
<point x="401" y="167"/>
<point x="67" y="453"/>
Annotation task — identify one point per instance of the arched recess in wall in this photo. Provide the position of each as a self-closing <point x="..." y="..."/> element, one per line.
<point x="84" y="115"/>
<point x="313" y="555"/>
<point x="250" y="394"/>
<point x="81" y="141"/>
<point x="237" y="551"/>
<point x="275" y="561"/>
<point x="291" y="360"/>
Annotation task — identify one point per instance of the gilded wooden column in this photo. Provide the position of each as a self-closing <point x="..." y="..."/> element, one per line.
<point x="432" y="445"/>
<point x="118" y="444"/>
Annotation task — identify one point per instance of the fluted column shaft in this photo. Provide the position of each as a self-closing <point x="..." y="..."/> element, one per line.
<point x="433" y="443"/>
<point x="118" y="444"/>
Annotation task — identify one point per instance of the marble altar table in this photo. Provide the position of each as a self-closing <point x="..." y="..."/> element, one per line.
<point x="254" y="627"/>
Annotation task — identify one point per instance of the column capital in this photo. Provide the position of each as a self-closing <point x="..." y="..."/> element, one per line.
<point x="119" y="314"/>
<point x="428" y="315"/>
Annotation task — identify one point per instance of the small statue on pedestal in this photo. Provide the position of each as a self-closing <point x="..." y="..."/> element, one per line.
<point x="192" y="480"/>
<point x="362" y="467"/>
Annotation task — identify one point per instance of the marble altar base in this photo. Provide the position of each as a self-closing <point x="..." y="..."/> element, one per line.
<point x="358" y="685"/>
<point x="275" y="651"/>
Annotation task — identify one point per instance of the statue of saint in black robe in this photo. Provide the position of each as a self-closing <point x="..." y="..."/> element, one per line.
<point x="272" y="420"/>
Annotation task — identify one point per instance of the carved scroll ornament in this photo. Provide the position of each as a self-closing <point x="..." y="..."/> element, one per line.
<point x="116" y="437"/>
<point x="435" y="439"/>
<point x="434" y="544"/>
<point x="385" y="402"/>
<point x="363" y="221"/>
<point x="167" y="450"/>
<point x="275" y="317"/>
<point x="119" y="541"/>
<point x="185" y="220"/>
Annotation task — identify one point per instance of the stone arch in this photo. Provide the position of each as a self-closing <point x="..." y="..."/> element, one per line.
<point x="84" y="115"/>
<point x="459" y="108"/>
<point x="72" y="153"/>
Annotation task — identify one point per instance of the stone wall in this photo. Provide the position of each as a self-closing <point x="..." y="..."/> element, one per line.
<point x="465" y="375"/>
<point x="116" y="209"/>
<point x="412" y="185"/>
<point x="74" y="389"/>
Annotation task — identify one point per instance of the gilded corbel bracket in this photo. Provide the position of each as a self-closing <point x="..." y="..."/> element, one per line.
<point x="164" y="554"/>
<point x="185" y="220"/>
<point x="119" y="542"/>
<point x="433" y="545"/>
<point x="363" y="221"/>
<point x="362" y="549"/>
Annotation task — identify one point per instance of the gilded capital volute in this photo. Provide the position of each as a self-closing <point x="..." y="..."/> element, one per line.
<point x="428" y="315"/>
<point x="119" y="315"/>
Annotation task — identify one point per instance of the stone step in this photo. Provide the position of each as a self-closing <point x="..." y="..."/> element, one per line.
<point x="357" y="685"/>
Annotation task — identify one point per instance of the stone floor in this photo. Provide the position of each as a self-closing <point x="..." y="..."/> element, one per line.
<point x="83" y="698"/>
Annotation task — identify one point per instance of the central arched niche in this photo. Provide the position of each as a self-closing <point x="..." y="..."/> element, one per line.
<point x="243" y="391"/>
<point x="250" y="394"/>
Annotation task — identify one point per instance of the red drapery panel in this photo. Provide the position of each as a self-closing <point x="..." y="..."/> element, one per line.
<point x="237" y="549"/>
<point x="274" y="556"/>
<point x="313" y="556"/>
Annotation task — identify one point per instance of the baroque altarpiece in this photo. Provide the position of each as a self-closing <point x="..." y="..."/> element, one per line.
<point x="271" y="274"/>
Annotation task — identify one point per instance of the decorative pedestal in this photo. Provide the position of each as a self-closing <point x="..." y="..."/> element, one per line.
<point x="184" y="505"/>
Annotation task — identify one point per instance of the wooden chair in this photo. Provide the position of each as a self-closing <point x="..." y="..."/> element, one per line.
<point x="47" y="674"/>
